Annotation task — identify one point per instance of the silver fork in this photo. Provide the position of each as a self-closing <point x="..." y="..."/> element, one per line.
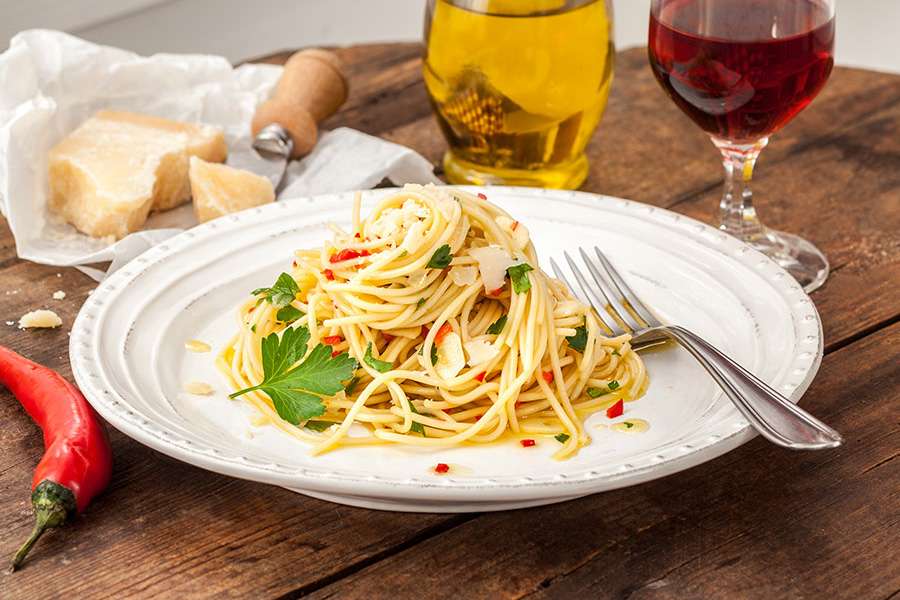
<point x="778" y="419"/>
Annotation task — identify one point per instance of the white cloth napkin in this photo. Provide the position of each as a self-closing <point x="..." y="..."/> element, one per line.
<point x="52" y="82"/>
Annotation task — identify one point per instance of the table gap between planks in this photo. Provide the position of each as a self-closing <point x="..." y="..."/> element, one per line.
<point x="758" y="522"/>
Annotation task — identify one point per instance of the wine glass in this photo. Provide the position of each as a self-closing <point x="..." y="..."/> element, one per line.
<point x="741" y="70"/>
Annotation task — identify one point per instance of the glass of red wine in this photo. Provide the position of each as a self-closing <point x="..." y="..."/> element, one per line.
<point x="741" y="70"/>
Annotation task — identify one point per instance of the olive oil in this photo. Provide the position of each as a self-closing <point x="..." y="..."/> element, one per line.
<point x="518" y="86"/>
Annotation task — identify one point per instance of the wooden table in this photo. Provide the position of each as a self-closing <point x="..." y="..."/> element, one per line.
<point x="759" y="522"/>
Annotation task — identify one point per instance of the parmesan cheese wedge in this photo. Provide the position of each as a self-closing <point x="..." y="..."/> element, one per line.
<point x="219" y="189"/>
<point x="108" y="174"/>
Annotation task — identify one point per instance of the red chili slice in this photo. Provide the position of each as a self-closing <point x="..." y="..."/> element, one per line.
<point x="388" y="337"/>
<point x="616" y="410"/>
<point x="482" y="196"/>
<point x="345" y="254"/>
<point x="548" y="376"/>
<point x="442" y="332"/>
<point x="528" y="443"/>
<point x="496" y="292"/>
<point x="480" y="376"/>
<point x="441" y="468"/>
<point x="329" y="274"/>
<point x="331" y="340"/>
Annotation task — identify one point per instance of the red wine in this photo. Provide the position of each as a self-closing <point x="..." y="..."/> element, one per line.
<point x="741" y="69"/>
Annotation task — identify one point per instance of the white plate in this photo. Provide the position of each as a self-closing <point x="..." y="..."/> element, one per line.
<point x="128" y="355"/>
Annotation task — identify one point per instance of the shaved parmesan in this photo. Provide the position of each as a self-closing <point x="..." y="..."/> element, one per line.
<point x="480" y="351"/>
<point x="451" y="358"/>
<point x="463" y="276"/>
<point x="492" y="262"/>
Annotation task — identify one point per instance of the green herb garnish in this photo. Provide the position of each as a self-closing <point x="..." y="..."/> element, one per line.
<point x="562" y="438"/>
<point x="628" y="424"/>
<point x="296" y="389"/>
<point x="441" y="258"/>
<point x="282" y="293"/>
<point x="616" y="353"/>
<point x="579" y="340"/>
<point x="253" y="328"/>
<point x="434" y="353"/>
<point x="417" y="427"/>
<point x="288" y="314"/>
<point x="597" y="392"/>
<point x="497" y="326"/>
<point x="351" y="385"/>
<point x="382" y="366"/>
<point x="419" y="303"/>
<point x="318" y="425"/>
<point x="518" y="275"/>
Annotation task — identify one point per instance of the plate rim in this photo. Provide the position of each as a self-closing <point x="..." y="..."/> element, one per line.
<point x="85" y="369"/>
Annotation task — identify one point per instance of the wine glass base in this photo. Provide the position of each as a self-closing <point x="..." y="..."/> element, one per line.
<point x="566" y="176"/>
<point x="806" y="263"/>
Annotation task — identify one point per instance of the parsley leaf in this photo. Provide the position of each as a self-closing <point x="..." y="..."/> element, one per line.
<point x="441" y="258"/>
<point x="296" y="390"/>
<point x="282" y="293"/>
<point x="351" y="386"/>
<point x="382" y="366"/>
<point x="417" y="427"/>
<point x="616" y="353"/>
<point x="518" y="275"/>
<point x="597" y="392"/>
<point x="497" y="327"/>
<point x="434" y="353"/>
<point x="579" y="340"/>
<point x="253" y="328"/>
<point x="318" y="425"/>
<point x="288" y="314"/>
<point x="419" y="303"/>
<point x="562" y="438"/>
<point x="628" y="424"/>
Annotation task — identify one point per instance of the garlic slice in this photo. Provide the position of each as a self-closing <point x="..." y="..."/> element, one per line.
<point x="463" y="276"/>
<point x="492" y="262"/>
<point x="451" y="358"/>
<point x="480" y="351"/>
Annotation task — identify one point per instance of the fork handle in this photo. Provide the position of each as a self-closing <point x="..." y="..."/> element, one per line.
<point x="778" y="419"/>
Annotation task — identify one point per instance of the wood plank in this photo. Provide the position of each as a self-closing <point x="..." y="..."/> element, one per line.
<point x="759" y="522"/>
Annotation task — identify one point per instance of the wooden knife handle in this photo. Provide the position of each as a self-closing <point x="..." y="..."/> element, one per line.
<point x="312" y="87"/>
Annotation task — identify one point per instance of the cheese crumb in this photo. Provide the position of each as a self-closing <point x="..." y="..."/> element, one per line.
<point x="198" y="388"/>
<point x="59" y="295"/>
<point x="197" y="346"/>
<point x="10" y="322"/>
<point x="40" y="319"/>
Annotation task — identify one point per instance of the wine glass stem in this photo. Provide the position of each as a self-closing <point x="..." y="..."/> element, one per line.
<point x="737" y="215"/>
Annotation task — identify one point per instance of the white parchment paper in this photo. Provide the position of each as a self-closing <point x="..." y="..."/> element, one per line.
<point x="52" y="82"/>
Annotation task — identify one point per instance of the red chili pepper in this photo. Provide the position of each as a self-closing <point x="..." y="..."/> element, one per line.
<point x="388" y="337"/>
<point x="331" y="340"/>
<point x="441" y="468"/>
<point x="335" y="353"/>
<point x="356" y="235"/>
<point x="482" y="196"/>
<point x="497" y="292"/>
<point x="442" y="332"/>
<point x="528" y="443"/>
<point x="77" y="460"/>
<point x="329" y="274"/>
<point x="515" y="225"/>
<point x="365" y="253"/>
<point x="345" y="254"/>
<point x="616" y="410"/>
<point x="425" y="331"/>
<point x="480" y="376"/>
<point x="548" y="376"/>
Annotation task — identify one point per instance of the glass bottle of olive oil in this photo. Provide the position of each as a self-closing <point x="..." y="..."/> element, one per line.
<point x="518" y="86"/>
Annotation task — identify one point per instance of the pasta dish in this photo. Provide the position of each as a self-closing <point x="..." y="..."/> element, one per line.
<point x="428" y="323"/>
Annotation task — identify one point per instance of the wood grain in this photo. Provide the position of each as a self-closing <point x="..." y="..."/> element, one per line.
<point x="757" y="522"/>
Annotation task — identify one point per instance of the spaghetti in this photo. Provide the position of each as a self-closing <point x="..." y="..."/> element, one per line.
<point x="460" y="337"/>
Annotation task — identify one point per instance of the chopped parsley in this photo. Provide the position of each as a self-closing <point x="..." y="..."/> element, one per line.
<point x="579" y="340"/>
<point x="434" y="353"/>
<point x="562" y="438"/>
<point x="417" y="427"/>
<point x="597" y="392"/>
<point x="253" y="328"/>
<point x="628" y="424"/>
<point x="351" y="385"/>
<point x="281" y="294"/>
<point x="518" y="275"/>
<point x="318" y="425"/>
<point x="288" y="314"/>
<point x="441" y="258"/>
<point x="382" y="366"/>
<point x="419" y="303"/>
<point x="616" y="353"/>
<point x="296" y="389"/>
<point x="497" y="326"/>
